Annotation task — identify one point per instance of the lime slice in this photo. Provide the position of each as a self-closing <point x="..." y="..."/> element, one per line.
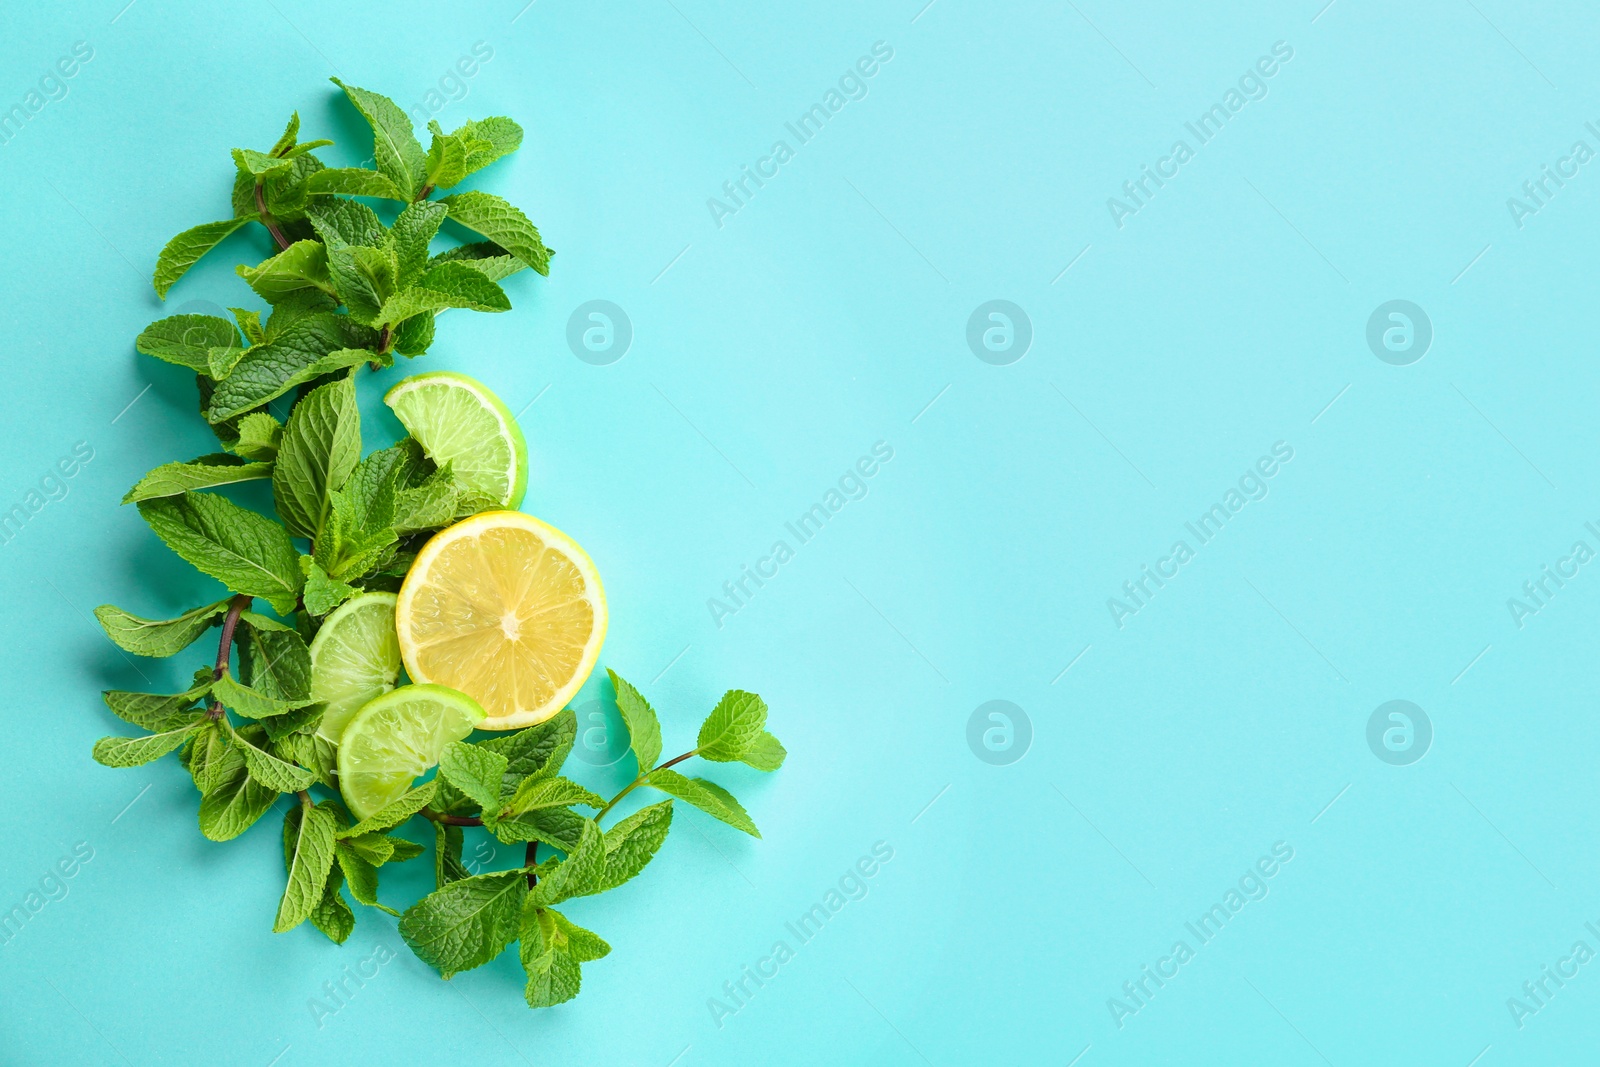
<point x="397" y="737"/>
<point x="507" y="609"/>
<point x="457" y="420"/>
<point x="354" y="658"/>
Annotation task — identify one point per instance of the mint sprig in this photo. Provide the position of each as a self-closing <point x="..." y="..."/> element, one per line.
<point x="350" y="286"/>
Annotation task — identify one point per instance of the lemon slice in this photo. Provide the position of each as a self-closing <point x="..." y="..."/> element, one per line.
<point x="397" y="737"/>
<point x="354" y="658"/>
<point x="458" y="420"/>
<point x="506" y="609"/>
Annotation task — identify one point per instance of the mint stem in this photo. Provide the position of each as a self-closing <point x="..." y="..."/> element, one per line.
<point x="236" y="607"/>
<point x="268" y="221"/>
<point x="637" y="782"/>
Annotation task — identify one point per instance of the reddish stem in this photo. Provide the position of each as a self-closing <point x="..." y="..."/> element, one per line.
<point x="268" y="221"/>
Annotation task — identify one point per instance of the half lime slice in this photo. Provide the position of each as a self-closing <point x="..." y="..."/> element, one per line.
<point x="354" y="658"/>
<point x="397" y="737"/>
<point x="457" y="420"/>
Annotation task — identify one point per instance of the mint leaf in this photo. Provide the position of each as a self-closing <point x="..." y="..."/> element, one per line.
<point x="394" y="144"/>
<point x="765" y="753"/>
<point x="346" y="222"/>
<point x="158" y="714"/>
<point x="374" y="848"/>
<point x="485" y="257"/>
<point x="465" y="923"/>
<point x="404" y="850"/>
<point x="644" y="729"/>
<point x="209" y="756"/>
<point x="355" y="181"/>
<point x="428" y="506"/>
<point x="310" y="346"/>
<point x="260" y="165"/>
<point x="290" y="133"/>
<point x="321" y="447"/>
<point x="134" y="751"/>
<point x="709" y="797"/>
<point x="413" y="336"/>
<point x="449" y="285"/>
<point x="475" y="771"/>
<point x="187" y="340"/>
<point x="446" y="163"/>
<point x="632" y="843"/>
<point x="322" y="594"/>
<point x="411" y="232"/>
<point x="246" y="701"/>
<point x="489" y="139"/>
<point x="557" y="827"/>
<point x="447" y="865"/>
<point x="538" y="750"/>
<point x="365" y="278"/>
<point x="271" y="771"/>
<point x="275" y="662"/>
<point x="551" y="950"/>
<point x="232" y="801"/>
<point x="361" y="876"/>
<point x="246" y="552"/>
<point x="263" y="622"/>
<point x="332" y="915"/>
<point x="308" y="834"/>
<point x="259" y="437"/>
<point x="535" y="793"/>
<point x="249" y="325"/>
<point x="316" y="754"/>
<point x="303" y="265"/>
<point x="396" y="811"/>
<point x="185" y="250"/>
<point x="157" y="638"/>
<point x="206" y="472"/>
<point x="501" y="223"/>
<point x="581" y="873"/>
<point x="738" y="720"/>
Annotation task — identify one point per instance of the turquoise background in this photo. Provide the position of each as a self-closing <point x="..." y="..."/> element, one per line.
<point x="830" y="313"/>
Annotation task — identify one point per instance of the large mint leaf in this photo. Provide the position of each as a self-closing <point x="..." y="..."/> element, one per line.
<point x="207" y="472"/>
<point x="234" y="800"/>
<point x="644" y="729"/>
<point x="355" y="181"/>
<point x="485" y="257"/>
<point x="412" y="231"/>
<point x="311" y="346"/>
<point x="736" y="723"/>
<point x="155" y="712"/>
<point x="448" y="285"/>
<point x="709" y="797"/>
<point x="187" y="340"/>
<point x="501" y="223"/>
<point x="321" y="445"/>
<point x="185" y="250"/>
<point x="274" y="661"/>
<point x="346" y="222"/>
<point x="466" y="923"/>
<point x="632" y="843"/>
<point x="394" y="144"/>
<point x="396" y="811"/>
<point x="133" y="751"/>
<point x="243" y="550"/>
<point x="308" y="834"/>
<point x="303" y="265"/>
<point x="477" y="772"/>
<point x="578" y="875"/>
<point x="536" y="750"/>
<point x="488" y="140"/>
<point x="157" y="637"/>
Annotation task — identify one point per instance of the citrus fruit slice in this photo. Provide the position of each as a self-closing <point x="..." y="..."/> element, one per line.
<point x="354" y="658"/>
<point x="396" y="737"/>
<point x="458" y="421"/>
<point x="506" y="609"/>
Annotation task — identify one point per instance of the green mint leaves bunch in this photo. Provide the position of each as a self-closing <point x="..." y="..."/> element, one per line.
<point x="350" y="285"/>
<point x="511" y="786"/>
